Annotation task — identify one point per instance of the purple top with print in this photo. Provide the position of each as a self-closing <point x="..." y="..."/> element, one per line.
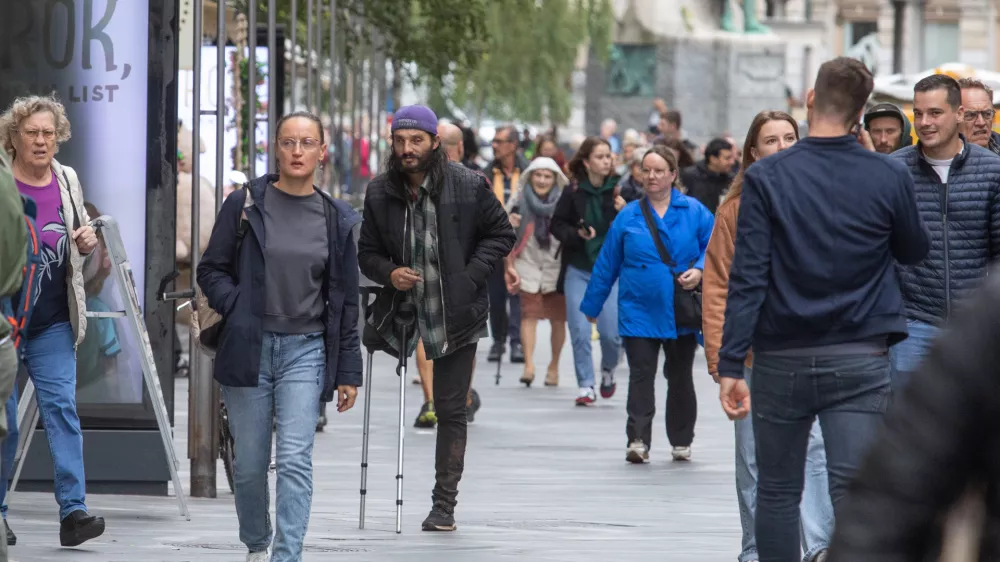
<point x="52" y="296"/>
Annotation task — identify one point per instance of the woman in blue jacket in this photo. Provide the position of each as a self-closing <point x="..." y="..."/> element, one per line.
<point x="646" y="319"/>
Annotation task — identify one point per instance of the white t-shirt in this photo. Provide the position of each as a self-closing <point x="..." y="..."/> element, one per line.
<point x="940" y="166"/>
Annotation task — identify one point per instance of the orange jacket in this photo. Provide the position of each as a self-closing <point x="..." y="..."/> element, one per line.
<point x="715" y="282"/>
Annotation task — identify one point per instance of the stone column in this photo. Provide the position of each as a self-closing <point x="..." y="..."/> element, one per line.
<point x="974" y="33"/>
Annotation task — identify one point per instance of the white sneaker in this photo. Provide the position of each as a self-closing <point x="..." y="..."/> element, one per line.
<point x="636" y="453"/>
<point x="263" y="556"/>
<point x="587" y="396"/>
<point x="681" y="453"/>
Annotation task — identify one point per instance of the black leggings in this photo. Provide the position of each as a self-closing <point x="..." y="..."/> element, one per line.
<point x="682" y="404"/>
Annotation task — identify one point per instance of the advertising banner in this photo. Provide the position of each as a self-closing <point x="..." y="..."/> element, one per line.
<point x="93" y="56"/>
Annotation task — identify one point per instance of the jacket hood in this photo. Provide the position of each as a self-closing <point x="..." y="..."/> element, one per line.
<point x="543" y="163"/>
<point x="891" y="110"/>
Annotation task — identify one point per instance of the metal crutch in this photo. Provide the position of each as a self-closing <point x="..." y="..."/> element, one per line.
<point x="405" y="319"/>
<point x="367" y="389"/>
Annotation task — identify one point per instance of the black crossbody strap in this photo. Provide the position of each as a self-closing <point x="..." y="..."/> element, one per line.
<point x="647" y="213"/>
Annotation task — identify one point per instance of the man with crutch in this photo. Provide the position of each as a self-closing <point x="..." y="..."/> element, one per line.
<point x="432" y="234"/>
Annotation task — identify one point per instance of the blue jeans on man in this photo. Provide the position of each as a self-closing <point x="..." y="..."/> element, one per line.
<point x="292" y="371"/>
<point x="580" y="330"/>
<point x="50" y="360"/>
<point x="849" y="395"/>
<point x="907" y="355"/>
<point x="815" y="509"/>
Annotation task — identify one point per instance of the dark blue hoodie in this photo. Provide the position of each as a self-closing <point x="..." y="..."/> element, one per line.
<point x="821" y="227"/>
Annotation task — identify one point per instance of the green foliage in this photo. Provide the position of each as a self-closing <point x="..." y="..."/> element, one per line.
<point x="532" y="51"/>
<point x="245" y="119"/>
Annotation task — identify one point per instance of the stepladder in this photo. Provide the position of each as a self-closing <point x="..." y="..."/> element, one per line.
<point x="129" y="319"/>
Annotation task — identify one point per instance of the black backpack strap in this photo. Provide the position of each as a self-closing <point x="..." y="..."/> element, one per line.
<point x="647" y="213"/>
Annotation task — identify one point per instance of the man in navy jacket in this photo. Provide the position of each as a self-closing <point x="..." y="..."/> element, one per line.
<point x="813" y="288"/>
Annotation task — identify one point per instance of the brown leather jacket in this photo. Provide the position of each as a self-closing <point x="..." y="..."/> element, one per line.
<point x="715" y="282"/>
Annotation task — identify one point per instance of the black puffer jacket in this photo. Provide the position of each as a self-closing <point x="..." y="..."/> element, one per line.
<point x="941" y="435"/>
<point x="474" y="235"/>
<point x="963" y="217"/>
<point x="706" y="186"/>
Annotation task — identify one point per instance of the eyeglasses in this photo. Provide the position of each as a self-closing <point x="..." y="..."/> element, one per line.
<point x="986" y="114"/>
<point x="308" y="144"/>
<point x="31" y="134"/>
<point x="501" y="141"/>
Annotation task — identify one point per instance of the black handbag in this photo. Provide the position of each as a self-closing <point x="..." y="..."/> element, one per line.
<point x="687" y="303"/>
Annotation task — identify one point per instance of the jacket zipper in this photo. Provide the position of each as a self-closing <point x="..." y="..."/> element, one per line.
<point x="444" y="306"/>
<point x="947" y="260"/>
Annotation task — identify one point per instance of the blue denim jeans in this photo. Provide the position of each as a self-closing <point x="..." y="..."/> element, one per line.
<point x="849" y="395"/>
<point x="575" y="288"/>
<point x="815" y="509"/>
<point x="292" y="368"/>
<point x="51" y="363"/>
<point x="908" y="354"/>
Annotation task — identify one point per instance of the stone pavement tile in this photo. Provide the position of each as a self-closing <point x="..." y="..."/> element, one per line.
<point x="544" y="481"/>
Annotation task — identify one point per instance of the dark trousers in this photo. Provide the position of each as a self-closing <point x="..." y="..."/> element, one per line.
<point x="682" y="404"/>
<point x="452" y="379"/>
<point x="848" y="393"/>
<point x="503" y="324"/>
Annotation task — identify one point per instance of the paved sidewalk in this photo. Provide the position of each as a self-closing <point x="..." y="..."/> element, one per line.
<point x="544" y="481"/>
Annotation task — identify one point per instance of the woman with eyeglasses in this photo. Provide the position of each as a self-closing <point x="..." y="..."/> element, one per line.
<point x="655" y="276"/>
<point x="282" y="269"/>
<point x="30" y="131"/>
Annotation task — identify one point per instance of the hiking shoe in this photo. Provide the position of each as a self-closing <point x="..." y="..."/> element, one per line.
<point x="262" y="556"/>
<point x="427" y="418"/>
<point x="516" y="353"/>
<point x="474" y="406"/>
<point x="79" y="527"/>
<point x="681" y="453"/>
<point x="587" y="396"/>
<point x="496" y="352"/>
<point x="11" y="537"/>
<point x="821" y="556"/>
<point x="439" y="520"/>
<point x="636" y="453"/>
<point x="608" y="385"/>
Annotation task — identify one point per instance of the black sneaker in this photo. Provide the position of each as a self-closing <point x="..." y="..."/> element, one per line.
<point x="439" y="520"/>
<point x="427" y="418"/>
<point x="516" y="353"/>
<point x="474" y="407"/>
<point x="79" y="527"/>
<point x="11" y="537"/>
<point x="496" y="352"/>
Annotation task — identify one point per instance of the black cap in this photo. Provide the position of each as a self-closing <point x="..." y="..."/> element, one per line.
<point x="883" y="110"/>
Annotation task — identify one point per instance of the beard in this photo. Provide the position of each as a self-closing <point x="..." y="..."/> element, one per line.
<point x="422" y="163"/>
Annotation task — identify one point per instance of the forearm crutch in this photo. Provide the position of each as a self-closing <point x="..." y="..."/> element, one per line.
<point x="405" y="319"/>
<point x="367" y="389"/>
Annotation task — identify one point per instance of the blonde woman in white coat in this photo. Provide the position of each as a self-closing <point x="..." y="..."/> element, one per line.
<point x="532" y="268"/>
<point x="31" y="130"/>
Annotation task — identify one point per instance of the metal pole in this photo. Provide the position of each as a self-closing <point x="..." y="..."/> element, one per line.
<point x="272" y="80"/>
<point x="334" y="128"/>
<point x="200" y="426"/>
<point x="294" y="69"/>
<point x="220" y="106"/>
<point x="318" y="100"/>
<point x="252" y="83"/>
<point x="309" y="52"/>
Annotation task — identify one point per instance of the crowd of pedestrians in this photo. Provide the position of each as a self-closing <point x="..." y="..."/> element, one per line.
<point x="817" y="271"/>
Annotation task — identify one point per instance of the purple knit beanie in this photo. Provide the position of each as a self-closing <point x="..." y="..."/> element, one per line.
<point x="417" y="117"/>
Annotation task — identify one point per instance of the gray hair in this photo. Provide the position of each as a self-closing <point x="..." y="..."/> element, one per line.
<point x="637" y="155"/>
<point x="25" y="107"/>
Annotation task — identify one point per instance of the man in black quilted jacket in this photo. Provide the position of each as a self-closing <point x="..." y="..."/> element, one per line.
<point x="958" y="194"/>
<point x="432" y="234"/>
